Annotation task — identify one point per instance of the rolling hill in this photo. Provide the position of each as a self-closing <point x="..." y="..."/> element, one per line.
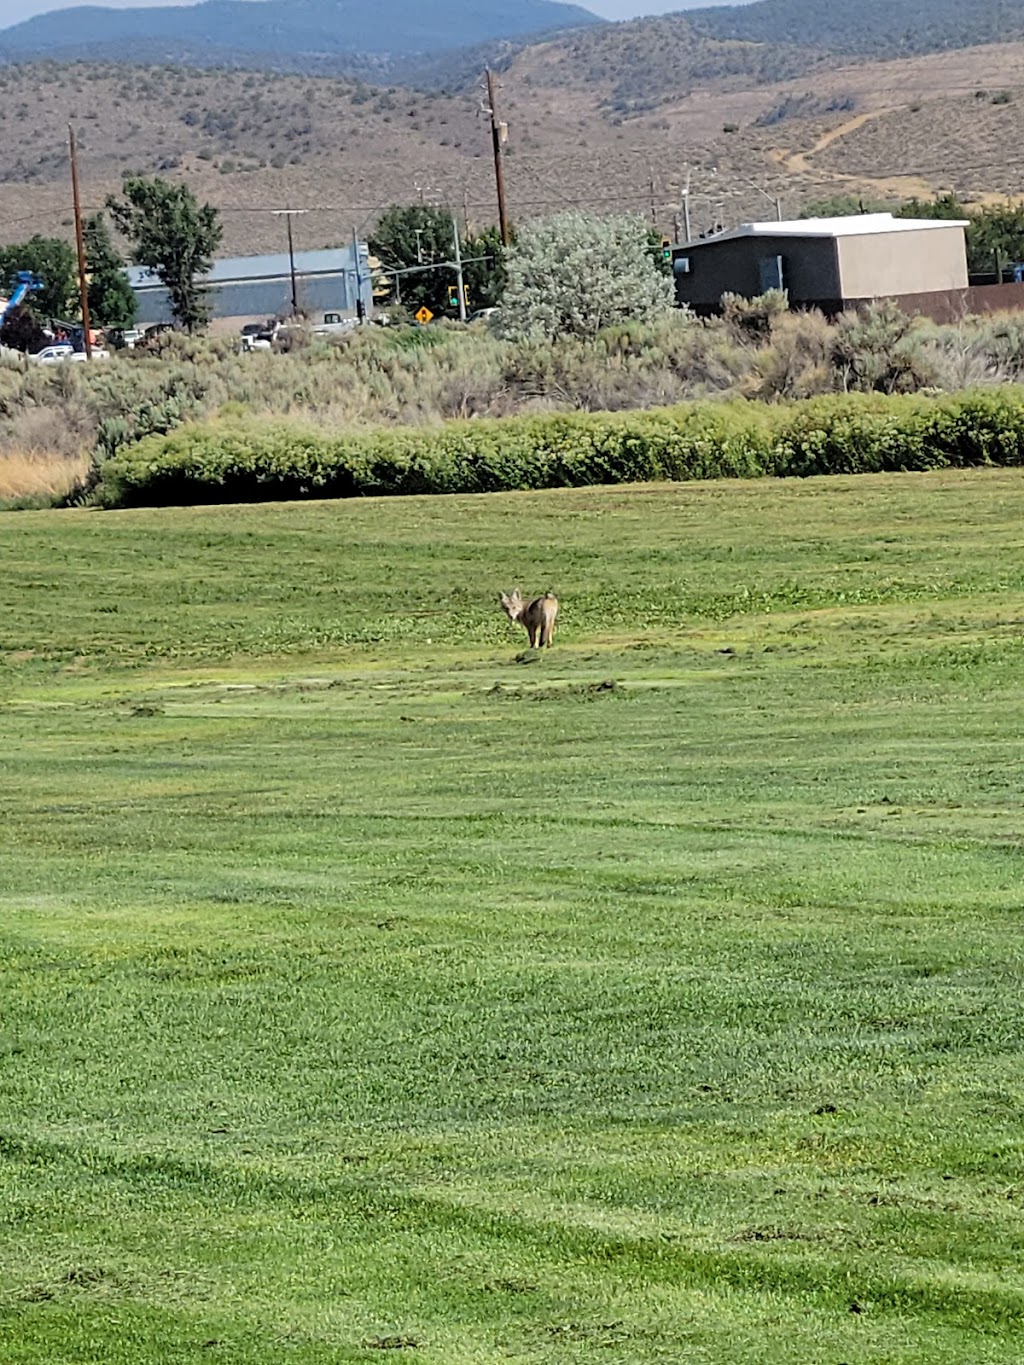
<point x="606" y="116"/>
<point x="281" y="32"/>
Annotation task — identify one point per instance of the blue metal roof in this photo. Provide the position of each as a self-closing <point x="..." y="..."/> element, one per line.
<point x="232" y="269"/>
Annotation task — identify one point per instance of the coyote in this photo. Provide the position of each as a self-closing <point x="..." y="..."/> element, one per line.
<point x="537" y="616"/>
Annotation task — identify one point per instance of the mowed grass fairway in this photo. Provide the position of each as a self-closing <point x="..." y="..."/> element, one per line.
<point x="368" y="987"/>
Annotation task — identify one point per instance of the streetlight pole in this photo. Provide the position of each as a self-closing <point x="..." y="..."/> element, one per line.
<point x="773" y="199"/>
<point x="458" y="271"/>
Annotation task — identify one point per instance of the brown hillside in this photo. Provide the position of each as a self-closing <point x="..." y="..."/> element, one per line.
<point x="254" y="142"/>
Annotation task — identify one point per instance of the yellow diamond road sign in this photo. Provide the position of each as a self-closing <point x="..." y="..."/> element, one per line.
<point x="424" y="315"/>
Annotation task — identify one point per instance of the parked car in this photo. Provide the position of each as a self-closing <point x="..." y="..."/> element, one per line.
<point x="98" y="353"/>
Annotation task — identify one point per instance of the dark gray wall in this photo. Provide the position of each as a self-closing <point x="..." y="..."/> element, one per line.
<point x="810" y="270"/>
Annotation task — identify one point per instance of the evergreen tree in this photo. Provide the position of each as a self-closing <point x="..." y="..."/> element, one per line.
<point x="111" y="300"/>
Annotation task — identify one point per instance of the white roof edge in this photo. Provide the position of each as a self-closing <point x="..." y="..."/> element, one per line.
<point x="854" y="225"/>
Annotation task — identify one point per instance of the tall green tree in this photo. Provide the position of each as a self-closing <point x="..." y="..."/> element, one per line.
<point x="407" y="238"/>
<point x="175" y="236"/>
<point x="111" y="301"/>
<point x="486" y="269"/>
<point x="574" y="273"/>
<point x="996" y="235"/>
<point x="413" y="236"/>
<point x="53" y="260"/>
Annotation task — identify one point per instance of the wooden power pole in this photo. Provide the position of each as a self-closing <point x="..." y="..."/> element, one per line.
<point x="498" y="132"/>
<point x="83" y="284"/>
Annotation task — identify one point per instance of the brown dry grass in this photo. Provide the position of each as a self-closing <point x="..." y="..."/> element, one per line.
<point x="28" y="474"/>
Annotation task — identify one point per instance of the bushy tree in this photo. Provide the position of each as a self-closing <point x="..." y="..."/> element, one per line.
<point x="111" y="300"/>
<point x="411" y="236"/>
<point x="942" y="206"/>
<point x="175" y="236"/>
<point x="996" y="235"/>
<point x="54" y="261"/>
<point x="418" y="235"/>
<point x="574" y="273"/>
<point x="486" y="268"/>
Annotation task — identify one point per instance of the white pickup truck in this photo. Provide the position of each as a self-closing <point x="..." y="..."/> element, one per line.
<point x="333" y="325"/>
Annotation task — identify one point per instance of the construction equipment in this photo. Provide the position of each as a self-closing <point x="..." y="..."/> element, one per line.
<point x="25" y="283"/>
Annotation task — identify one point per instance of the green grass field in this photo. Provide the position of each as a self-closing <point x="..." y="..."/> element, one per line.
<point x="369" y="985"/>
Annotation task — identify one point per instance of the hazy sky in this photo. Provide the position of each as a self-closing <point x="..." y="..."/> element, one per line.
<point x="13" y="11"/>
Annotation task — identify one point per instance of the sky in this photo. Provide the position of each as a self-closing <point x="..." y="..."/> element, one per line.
<point x="14" y="11"/>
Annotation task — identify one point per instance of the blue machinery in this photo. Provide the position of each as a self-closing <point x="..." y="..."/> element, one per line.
<point x="25" y="282"/>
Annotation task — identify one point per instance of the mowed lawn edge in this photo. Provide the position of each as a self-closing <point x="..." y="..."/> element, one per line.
<point x="370" y="983"/>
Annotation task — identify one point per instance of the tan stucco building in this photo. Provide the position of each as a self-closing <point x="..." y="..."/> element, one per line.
<point x="826" y="263"/>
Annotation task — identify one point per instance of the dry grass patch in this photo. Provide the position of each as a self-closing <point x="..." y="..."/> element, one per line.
<point x="40" y="474"/>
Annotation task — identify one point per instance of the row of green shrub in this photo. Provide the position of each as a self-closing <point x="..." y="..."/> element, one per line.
<point x="846" y="434"/>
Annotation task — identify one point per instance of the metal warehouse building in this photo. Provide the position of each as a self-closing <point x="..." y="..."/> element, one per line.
<point x="244" y="288"/>
<point x="827" y="263"/>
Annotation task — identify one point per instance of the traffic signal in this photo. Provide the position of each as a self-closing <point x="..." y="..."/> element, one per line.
<point x="453" y="296"/>
<point x="666" y="248"/>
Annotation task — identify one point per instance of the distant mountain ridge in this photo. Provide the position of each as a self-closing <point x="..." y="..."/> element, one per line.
<point x="276" y="29"/>
<point x="866" y="27"/>
<point x="443" y="43"/>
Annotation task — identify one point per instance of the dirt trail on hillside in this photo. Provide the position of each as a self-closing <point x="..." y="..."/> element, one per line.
<point x="799" y="163"/>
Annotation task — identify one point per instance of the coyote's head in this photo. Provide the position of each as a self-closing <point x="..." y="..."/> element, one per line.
<point x="513" y="604"/>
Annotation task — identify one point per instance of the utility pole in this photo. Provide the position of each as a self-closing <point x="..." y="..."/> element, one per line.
<point x="458" y="271"/>
<point x="287" y="215"/>
<point x="83" y="287"/>
<point x="654" y="191"/>
<point x="499" y="131"/>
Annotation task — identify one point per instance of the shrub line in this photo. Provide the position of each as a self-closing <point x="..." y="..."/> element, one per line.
<point x="227" y="461"/>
